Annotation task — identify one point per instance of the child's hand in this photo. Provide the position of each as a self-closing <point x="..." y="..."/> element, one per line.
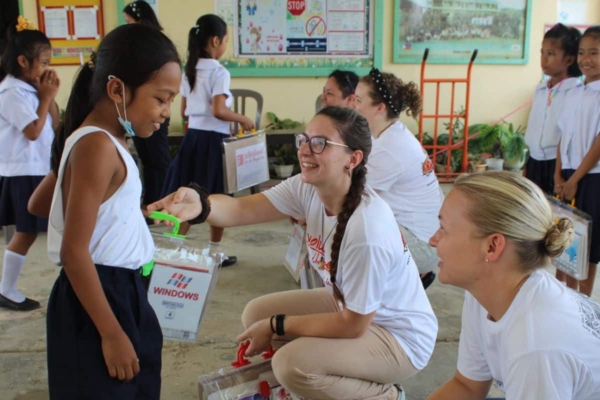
<point x="559" y="184"/>
<point x="120" y="357"/>
<point x="47" y="85"/>
<point x="569" y="190"/>
<point x="247" y="124"/>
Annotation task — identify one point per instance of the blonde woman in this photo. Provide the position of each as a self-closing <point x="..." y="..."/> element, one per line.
<point x="521" y="328"/>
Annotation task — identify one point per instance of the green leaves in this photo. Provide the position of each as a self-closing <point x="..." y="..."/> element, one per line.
<point x="286" y="123"/>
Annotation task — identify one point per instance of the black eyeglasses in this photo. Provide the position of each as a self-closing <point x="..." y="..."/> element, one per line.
<point x="316" y="144"/>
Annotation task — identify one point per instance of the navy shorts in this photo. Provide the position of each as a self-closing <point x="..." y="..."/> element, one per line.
<point x="15" y="192"/>
<point x="76" y="366"/>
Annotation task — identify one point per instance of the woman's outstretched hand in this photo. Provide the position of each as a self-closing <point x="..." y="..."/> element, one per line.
<point x="183" y="204"/>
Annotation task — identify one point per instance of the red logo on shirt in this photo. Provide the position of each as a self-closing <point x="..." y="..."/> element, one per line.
<point x="404" y="242"/>
<point x="427" y="166"/>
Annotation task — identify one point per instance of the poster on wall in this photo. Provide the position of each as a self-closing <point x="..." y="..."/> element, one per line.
<point x="284" y="28"/>
<point x="56" y="21"/>
<point x="225" y="9"/>
<point x="74" y="30"/>
<point x="571" y="12"/>
<point x="453" y="29"/>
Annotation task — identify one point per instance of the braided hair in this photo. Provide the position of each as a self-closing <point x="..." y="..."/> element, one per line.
<point x="355" y="133"/>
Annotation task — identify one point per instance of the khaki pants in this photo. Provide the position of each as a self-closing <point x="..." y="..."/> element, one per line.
<point x="318" y="368"/>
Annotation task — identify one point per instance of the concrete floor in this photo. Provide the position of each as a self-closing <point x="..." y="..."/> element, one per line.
<point x="260" y="271"/>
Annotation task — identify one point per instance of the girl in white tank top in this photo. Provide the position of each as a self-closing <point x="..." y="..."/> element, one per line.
<point x="104" y="340"/>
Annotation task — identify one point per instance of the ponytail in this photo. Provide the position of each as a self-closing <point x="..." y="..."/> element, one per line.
<point x="78" y="108"/>
<point x="207" y="27"/>
<point x="194" y="54"/>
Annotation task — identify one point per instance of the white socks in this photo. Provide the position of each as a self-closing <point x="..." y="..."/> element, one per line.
<point x="13" y="264"/>
<point x="214" y="246"/>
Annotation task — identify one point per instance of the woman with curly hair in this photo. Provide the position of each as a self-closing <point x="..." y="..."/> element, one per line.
<point x="400" y="171"/>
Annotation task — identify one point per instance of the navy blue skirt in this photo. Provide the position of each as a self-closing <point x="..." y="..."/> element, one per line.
<point x="587" y="199"/>
<point x="200" y="160"/>
<point x="541" y="173"/>
<point x="15" y="192"/>
<point x="76" y="366"/>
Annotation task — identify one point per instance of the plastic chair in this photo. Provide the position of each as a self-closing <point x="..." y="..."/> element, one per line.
<point x="318" y="104"/>
<point x="239" y="105"/>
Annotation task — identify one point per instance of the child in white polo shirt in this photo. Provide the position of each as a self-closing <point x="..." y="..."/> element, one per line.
<point x="559" y="62"/>
<point x="578" y="160"/>
<point x="27" y="111"/>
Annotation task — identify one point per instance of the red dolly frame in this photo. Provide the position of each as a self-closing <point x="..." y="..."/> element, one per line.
<point x="437" y="149"/>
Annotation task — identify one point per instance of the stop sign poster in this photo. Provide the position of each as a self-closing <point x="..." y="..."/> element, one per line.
<point x="273" y="28"/>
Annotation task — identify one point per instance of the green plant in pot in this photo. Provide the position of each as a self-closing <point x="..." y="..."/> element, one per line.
<point x="505" y="145"/>
<point x="287" y="159"/>
<point x="515" y="152"/>
<point x="279" y="124"/>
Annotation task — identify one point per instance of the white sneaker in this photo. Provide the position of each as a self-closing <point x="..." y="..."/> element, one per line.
<point x="401" y="393"/>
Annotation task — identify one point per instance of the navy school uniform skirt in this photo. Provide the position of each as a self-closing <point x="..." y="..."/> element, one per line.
<point x="587" y="199"/>
<point x="15" y="192"/>
<point x="200" y="160"/>
<point x="76" y="366"/>
<point x="541" y="173"/>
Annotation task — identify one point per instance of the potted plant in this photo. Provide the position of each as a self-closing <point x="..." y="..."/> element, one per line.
<point x="278" y="124"/>
<point x="477" y="163"/>
<point x="505" y="145"/>
<point x="287" y="158"/>
<point x="516" y="152"/>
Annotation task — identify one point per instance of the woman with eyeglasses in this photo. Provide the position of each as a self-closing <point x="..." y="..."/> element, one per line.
<point x="400" y="171"/>
<point x="372" y="327"/>
<point x="339" y="89"/>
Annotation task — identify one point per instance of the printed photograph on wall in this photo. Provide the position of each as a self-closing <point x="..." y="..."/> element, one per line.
<point x="453" y="29"/>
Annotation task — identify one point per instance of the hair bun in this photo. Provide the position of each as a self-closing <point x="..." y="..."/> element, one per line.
<point x="559" y="237"/>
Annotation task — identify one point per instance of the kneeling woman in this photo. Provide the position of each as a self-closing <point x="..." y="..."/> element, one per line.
<point x="521" y="327"/>
<point x="372" y="327"/>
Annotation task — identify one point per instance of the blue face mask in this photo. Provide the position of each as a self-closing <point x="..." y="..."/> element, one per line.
<point x="125" y="123"/>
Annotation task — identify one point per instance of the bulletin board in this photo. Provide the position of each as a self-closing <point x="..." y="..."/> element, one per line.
<point x="74" y="27"/>
<point x="302" y="37"/>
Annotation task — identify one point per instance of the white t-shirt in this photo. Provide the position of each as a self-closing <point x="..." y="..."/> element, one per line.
<point x="546" y="346"/>
<point x="543" y="134"/>
<point x="20" y="156"/>
<point x="374" y="272"/>
<point x="121" y="236"/>
<point x="579" y="125"/>
<point x="212" y="79"/>
<point x="402" y="174"/>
